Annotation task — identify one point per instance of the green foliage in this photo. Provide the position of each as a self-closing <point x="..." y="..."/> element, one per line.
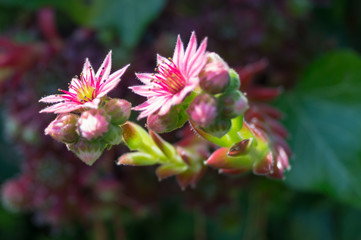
<point x="128" y="18"/>
<point x="323" y="117"/>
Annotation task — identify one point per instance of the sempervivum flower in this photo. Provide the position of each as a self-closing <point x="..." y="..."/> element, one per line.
<point x="86" y="90"/>
<point x="176" y="78"/>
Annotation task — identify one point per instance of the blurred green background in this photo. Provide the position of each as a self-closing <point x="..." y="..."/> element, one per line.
<point x="313" y="51"/>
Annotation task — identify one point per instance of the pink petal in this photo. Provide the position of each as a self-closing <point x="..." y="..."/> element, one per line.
<point x="191" y="49"/>
<point x="76" y="83"/>
<point x="198" y="60"/>
<point x="178" y="52"/>
<point x="143" y="90"/>
<point x="92" y="104"/>
<point x="104" y="70"/>
<point x="112" y="81"/>
<point x="145" y="78"/>
<point x="88" y="71"/>
<point x="68" y="106"/>
<point x="165" y="108"/>
<point x="178" y="98"/>
<point x="150" y="106"/>
<point x="52" y="98"/>
<point x="161" y="60"/>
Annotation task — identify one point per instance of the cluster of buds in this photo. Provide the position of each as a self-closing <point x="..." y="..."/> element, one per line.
<point x="267" y="134"/>
<point x="195" y="86"/>
<point x="220" y="100"/>
<point x="89" y="133"/>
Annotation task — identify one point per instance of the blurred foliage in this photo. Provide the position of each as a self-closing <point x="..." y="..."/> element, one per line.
<point x="127" y="17"/>
<point x="323" y="113"/>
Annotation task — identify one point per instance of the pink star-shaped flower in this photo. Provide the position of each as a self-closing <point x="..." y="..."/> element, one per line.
<point x="86" y="90"/>
<point x="176" y="78"/>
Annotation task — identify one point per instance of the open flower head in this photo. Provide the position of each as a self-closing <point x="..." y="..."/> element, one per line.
<point x="85" y="90"/>
<point x="175" y="78"/>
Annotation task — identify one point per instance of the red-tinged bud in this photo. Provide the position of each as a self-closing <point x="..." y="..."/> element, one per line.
<point x="275" y="126"/>
<point x="15" y="194"/>
<point x="87" y="151"/>
<point x="269" y="110"/>
<point x="219" y="127"/>
<point x="214" y="78"/>
<point x="203" y="110"/>
<point x="63" y="128"/>
<point x="233" y="171"/>
<point x="114" y="135"/>
<point x="264" y="94"/>
<point x="240" y="148"/>
<point x="264" y="166"/>
<point x="137" y="159"/>
<point x="118" y="110"/>
<point x="191" y="176"/>
<point x="281" y="164"/>
<point x="171" y="169"/>
<point x="195" y="165"/>
<point x="93" y="124"/>
<point x="220" y="159"/>
<point x="233" y="104"/>
<point x="172" y="120"/>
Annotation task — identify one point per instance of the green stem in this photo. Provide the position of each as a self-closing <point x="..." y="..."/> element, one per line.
<point x="233" y="133"/>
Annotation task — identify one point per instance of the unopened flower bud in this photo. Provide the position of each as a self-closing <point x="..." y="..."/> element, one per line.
<point x="203" y="110"/>
<point x="63" y="128"/>
<point x="114" y="135"/>
<point x="174" y="119"/>
<point x="118" y="110"/>
<point x="214" y="78"/>
<point x="93" y="123"/>
<point x="219" y="127"/>
<point x="234" y="104"/>
<point x="87" y="151"/>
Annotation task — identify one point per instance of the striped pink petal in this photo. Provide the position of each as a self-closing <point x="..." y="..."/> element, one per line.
<point x="104" y="70"/>
<point x="178" y="52"/>
<point x="53" y="98"/>
<point x="112" y="81"/>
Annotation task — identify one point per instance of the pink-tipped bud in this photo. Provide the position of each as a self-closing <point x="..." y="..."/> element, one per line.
<point x="137" y="159"/>
<point x="214" y="78"/>
<point x="63" y="128"/>
<point x="172" y="120"/>
<point x="87" y="151"/>
<point x="203" y="110"/>
<point x="114" y="135"/>
<point x="118" y="110"/>
<point x="234" y="104"/>
<point x="93" y="123"/>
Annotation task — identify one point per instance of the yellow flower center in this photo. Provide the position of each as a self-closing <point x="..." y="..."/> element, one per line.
<point x="86" y="94"/>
